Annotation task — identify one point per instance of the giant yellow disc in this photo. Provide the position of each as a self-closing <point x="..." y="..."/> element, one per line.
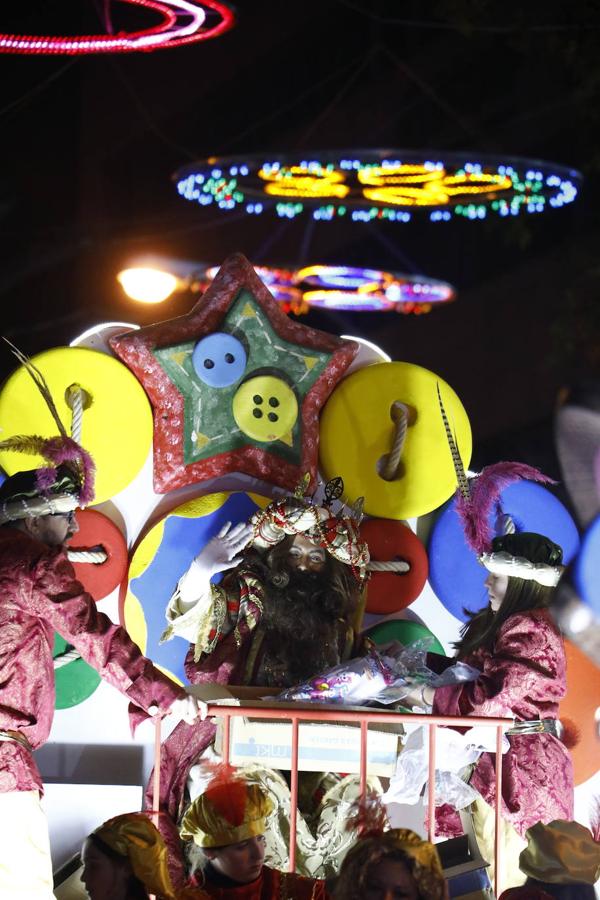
<point x="357" y="433"/>
<point x="116" y="427"/>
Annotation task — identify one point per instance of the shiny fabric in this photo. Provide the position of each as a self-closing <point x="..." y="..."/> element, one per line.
<point x="271" y="885"/>
<point x="40" y="595"/>
<point x="134" y="837"/>
<point x="561" y="853"/>
<point x="208" y="825"/>
<point x="524" y="677"/>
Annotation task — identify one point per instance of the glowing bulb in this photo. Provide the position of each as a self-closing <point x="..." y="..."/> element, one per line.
<point x="147" y="285"/>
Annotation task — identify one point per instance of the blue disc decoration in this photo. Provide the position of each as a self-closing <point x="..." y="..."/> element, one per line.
<point x="162" y="557"/>
<point x="219" y="359"/>
<point x="454" y="572"/>
<point x="586" y="574"/>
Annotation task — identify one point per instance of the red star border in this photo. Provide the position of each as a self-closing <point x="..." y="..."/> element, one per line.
<point x="138" y="349"/>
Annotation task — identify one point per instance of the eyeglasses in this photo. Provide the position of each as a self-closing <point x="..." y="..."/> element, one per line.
<point x="69" y="516"/>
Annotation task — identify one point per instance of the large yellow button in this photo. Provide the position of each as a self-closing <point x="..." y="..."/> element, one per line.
<point x="265" y="408"/>
<point x="357" y="433"/>
<point x="116" y="426"/>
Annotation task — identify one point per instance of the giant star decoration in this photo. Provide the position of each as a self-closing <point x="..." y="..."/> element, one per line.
<point x="235" y="385"/>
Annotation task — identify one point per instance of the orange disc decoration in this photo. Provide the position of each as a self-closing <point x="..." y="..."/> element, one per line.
<point x="97" y="531"/>
<point x="389" y="592"/>
<point x="581" y="705"/>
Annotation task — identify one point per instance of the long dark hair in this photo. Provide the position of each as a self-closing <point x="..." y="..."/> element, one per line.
<point x="522" y="595"/>
<point x="481" y="627"/>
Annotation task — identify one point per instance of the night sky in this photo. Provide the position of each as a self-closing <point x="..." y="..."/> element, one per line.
<point x="89" y="146"/>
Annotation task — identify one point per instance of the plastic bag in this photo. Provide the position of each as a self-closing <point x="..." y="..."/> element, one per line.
<point x="455" y="752"/>
<point x="385" y="674"/>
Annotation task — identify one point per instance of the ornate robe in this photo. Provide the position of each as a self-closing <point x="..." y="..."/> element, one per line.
<point x="524" y="676"/>
<point x="39" y="595"/>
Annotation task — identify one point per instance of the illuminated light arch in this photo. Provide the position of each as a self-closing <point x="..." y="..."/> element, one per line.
<point x="350" y="288"/>
<point x="368" y="185"/>
<point x="183" y="22"/>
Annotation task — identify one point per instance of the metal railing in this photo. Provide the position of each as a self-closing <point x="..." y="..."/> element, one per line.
<point x="364" y="718"/>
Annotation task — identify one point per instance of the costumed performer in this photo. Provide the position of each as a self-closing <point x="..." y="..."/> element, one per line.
<point x="127" y="858"/>
<point x="39" y="595"/>
<point x="228" y="822"/>
<point x="520" y="654"/>
<point x="388" y="863"/>
<point x="288" y="610"/>
<point x="561" y="860"/>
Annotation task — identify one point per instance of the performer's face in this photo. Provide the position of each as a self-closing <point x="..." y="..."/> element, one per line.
<point x="496" y="587"/>
<point x="306" y="556"/>
<point x="241" y="862"/>
<point x="54" y="530"/>
<point x="390" y="879"/>
<point x="102" y="876"/>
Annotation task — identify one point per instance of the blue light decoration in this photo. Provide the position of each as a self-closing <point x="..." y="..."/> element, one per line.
<point x="378" y="185"/>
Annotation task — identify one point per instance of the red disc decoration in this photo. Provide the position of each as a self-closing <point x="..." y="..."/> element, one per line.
<point x="97" y="531"/>
<point x="181" y="22"/>
<point x="389" y="592"/>
<point x="580" y="706"/>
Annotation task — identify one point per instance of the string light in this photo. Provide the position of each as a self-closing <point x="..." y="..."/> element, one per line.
<point x="376" y="185"/>
<point x="182" y="22"/>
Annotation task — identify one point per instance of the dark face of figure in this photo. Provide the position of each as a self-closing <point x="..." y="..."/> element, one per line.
<point x="309" y="603"/>
<point x="390" y="879"/>
<point x="102" y="876"/>
<point x="241" y="862"/>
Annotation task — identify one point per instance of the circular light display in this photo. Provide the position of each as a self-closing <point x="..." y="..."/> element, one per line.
<point x="367" y="185"/>
<point x="351" y="288"/>
<point x="182" y="22"/>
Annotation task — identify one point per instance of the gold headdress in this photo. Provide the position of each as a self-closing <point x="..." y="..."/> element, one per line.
<point x="229" y="811"/>
<point x="134" y="837"/>
<point x="338" y="534"/>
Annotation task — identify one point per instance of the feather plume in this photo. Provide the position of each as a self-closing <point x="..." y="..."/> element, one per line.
<point x="24" y="443"/>
<point x="485" y="491"/>
<point x="461" y="475"/>
<point x="227" y="792"/>
<point x="368" y="816"/>
<point x="40" y="383"/>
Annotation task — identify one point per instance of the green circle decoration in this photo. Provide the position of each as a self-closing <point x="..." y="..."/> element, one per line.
<point x="404" y="631"/>
<point x="75" y="681"/>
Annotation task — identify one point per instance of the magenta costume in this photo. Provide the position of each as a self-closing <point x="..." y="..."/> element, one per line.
<point x="39" y="594"/>
<point x="523" y="677"/>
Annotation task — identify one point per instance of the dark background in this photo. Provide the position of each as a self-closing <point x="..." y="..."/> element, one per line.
<point x="89" y="145"/>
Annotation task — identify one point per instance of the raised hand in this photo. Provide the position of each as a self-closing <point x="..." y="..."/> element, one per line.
<point x="221" y="552"/>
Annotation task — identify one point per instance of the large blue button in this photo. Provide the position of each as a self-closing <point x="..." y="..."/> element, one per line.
<point x="219" y="359"/>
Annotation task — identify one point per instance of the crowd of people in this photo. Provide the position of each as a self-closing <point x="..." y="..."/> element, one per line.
<point x="288" y="607"/>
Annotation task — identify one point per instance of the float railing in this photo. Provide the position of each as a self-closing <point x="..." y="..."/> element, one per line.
<point x="365" y="718"/>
